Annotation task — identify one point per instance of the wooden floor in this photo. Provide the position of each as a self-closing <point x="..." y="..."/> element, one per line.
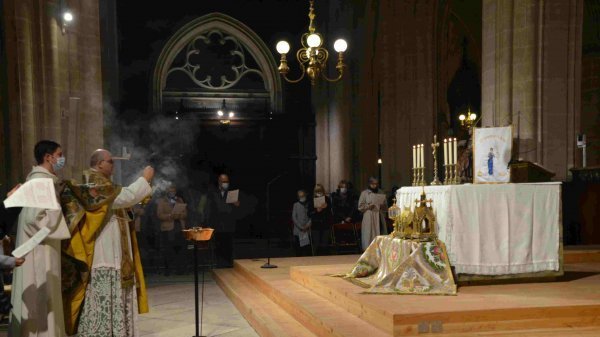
<point x="300" y="299"/>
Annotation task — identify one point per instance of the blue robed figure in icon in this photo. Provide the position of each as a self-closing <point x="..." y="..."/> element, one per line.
<point x="491" y="161"/>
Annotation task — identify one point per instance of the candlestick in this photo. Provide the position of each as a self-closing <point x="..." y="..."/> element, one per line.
<point x="450" y="151"/>
<point x="445" y="151"/>
<point x="418" y="156"/>
<point x="434" y="146"/>
<point x="455" y="151"/>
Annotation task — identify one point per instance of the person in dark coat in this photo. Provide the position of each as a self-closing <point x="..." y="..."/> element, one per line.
<point x="344" y="204"/>
<point x="321" y="221"/>
<point x="223" y="217"/>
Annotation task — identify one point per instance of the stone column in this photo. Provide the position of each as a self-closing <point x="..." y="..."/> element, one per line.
<point x="528" y="47"/>
<point x="391" y="69"/>
<point x="55" y="82"/>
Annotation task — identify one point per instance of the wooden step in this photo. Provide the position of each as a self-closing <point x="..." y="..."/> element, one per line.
<point x="563" y="332"/>
<point x="267" y="318"/>
<point x="581" y="254"/>
<point x="498" y="309"/>
<point x="322" y="317"/>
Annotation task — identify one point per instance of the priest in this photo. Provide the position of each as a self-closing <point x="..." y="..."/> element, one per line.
<point x="102" y="281"/>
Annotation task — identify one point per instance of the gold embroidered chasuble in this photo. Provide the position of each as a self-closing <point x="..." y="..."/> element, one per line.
<point x="87" y="209"/>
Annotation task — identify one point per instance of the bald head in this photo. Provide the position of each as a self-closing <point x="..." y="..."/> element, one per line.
<point x="101" y="160"/>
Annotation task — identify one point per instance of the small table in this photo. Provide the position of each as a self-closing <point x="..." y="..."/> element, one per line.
<point x="197" y="235"/>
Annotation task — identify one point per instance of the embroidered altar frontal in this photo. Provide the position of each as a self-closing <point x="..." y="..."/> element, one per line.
<point x="399" y="266"/>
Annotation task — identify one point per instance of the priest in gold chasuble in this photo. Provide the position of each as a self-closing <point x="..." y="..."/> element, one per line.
<point x="102" y="277"/>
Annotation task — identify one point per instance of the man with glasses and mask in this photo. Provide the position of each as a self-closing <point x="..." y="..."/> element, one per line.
<point x="36" y="288"/>
<point x="103" y="280"/>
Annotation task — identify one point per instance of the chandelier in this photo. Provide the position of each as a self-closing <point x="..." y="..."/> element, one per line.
<point x="312" y="58"/>
<point x="468" y="120"/>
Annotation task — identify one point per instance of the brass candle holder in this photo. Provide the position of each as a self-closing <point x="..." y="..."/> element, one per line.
<point x="451" y="174"/>
<point x="414" y="180"/>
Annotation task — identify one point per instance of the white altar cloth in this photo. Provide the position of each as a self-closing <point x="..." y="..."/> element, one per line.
<point x="496" y="229"/>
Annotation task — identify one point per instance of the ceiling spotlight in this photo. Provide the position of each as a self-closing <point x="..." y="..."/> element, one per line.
<point x="231" y="114"/>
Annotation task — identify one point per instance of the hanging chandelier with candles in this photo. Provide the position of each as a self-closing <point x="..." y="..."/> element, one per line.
<point x="312" y="58"/>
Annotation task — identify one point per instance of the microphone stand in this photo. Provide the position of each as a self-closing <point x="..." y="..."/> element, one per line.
<point x="268" y="265"/>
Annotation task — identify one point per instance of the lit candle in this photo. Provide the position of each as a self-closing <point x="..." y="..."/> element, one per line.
<point x="445" y="151"/>
<point x="455" y="150"/>
<point x="450" y="148"/>
<point x="414" y="156"/>
<point x="422" y="156"/>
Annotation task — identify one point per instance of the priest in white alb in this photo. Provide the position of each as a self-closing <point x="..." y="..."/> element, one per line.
<point x="103" y="281"/>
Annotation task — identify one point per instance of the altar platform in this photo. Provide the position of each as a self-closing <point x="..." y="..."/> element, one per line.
<point x="300" y="299"/>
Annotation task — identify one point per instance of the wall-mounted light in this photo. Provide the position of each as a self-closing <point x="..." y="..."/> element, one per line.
<point x="67" y="18"/>
<point x="221" y="114"/>
<point x="379" y="161"/>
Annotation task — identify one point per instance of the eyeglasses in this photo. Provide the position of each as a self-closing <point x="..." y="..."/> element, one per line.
<point x="110" y="161"/>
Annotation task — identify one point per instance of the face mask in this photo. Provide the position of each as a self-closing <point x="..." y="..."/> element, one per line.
<point x="343" y="190"/>
<point x="302" y="200"/>
<point x="225" y="186"/>
<point x="172" y="194"/>
<point x="373" y="188"/>
<point x="318" y="194"/>
<point x="60" y="163"/>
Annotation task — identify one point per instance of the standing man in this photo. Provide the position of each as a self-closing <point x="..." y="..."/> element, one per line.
<point x="36" y="289"/>
<point x="103" y="280"/>
<point x="373" y="205"/>
<point x="172" y="221"/>
<point x="223" y="216"/>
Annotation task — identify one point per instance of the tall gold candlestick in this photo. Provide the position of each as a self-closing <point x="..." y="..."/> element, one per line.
<point x="434" y="146"/>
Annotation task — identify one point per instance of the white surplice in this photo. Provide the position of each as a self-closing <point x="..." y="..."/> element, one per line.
<point x="36" y="289"/>
<point x="373" y="222"/>
<point x="108" y="309"/>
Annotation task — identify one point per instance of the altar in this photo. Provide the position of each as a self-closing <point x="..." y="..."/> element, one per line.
<point x="497" y="229"/>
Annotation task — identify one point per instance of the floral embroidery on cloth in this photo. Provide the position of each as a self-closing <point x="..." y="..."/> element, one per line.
<point x="398" y="266"/>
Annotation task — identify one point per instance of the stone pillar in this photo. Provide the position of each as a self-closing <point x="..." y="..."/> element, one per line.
<point x="391" y="69"/>
<point x="55" y="83"/>
<point x="530" y="46"/>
